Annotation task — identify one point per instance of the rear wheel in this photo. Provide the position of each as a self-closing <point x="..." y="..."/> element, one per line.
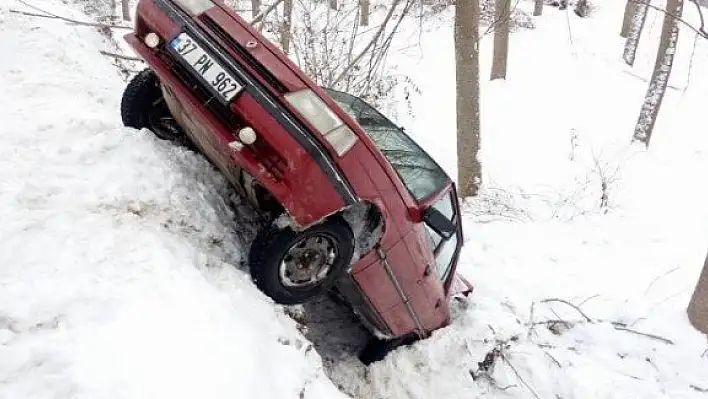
<point x="143" y="106"/>
<point x="293" y="267"/>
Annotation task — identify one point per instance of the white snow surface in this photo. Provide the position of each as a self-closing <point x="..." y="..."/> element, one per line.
<point x="121" y="256"/>
<point x="117" y="251"/>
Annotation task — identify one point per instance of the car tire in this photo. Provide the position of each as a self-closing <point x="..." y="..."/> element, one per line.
<point x="143" y="106"/>
<point x="281" y="260"/>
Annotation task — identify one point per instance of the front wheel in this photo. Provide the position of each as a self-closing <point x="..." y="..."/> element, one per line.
<point x="143" y="106"/>
<point x="293" y="267"/>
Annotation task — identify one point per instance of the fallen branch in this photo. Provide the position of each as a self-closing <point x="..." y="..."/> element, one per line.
<point x="657" y="278"/>
<point x="698" y="389"/>
<point x="519" y="375"/>
<point x="652" y="336"/>
<point x="587" y="318"/>
<point x="72" y="21"/>
<point x="555" y="361"/>
<point x="121" y="56"/>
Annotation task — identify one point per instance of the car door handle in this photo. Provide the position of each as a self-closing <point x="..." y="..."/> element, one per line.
<point x="427" y="271"/>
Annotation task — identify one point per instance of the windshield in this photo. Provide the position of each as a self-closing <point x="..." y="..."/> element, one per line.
<point x="420" y="174"/>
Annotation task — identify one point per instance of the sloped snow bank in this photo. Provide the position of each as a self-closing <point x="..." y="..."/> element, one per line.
<point x="116" y="249"/>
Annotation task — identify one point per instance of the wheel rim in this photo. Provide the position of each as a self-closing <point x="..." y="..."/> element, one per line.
<point x="308" y="261"/>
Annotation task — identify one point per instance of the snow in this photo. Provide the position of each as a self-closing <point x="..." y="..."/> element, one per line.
<point x="121" y="256"/>
<point x="118" y="250"/>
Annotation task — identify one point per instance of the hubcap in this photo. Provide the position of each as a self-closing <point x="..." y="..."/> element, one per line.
<point x="308" y="261"/>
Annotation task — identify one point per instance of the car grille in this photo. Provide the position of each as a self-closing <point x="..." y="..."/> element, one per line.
<point x="246" y="56"/>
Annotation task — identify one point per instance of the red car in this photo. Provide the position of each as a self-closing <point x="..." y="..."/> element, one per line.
<point x="357" y="206"/>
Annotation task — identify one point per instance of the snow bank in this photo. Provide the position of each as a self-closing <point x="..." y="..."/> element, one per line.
<point x="564" y="115"/>
<point x="117" y="251"/>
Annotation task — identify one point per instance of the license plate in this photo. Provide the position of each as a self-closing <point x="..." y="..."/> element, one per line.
<point x="201" y="62"/>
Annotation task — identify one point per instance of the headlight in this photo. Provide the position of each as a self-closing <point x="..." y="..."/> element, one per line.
<point x="342" y="139"/>
<point x="196" y="7"/>
<point x="323" y="119"/>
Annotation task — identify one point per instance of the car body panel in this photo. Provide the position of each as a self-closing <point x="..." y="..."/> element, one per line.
<point x="394" y="287"/>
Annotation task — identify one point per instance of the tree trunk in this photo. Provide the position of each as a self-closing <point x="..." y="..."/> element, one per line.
<point x="662" y="72"/>
<point x="501" y="39"/>
<point x="255" y="7"/>
<point x="627" y="19"/>
<point x="698" y="307"/>
<point x="125" y="7"/>
<point x="364" y="12"/>
<point x="286" y="26"/>
<point x="537" y="8"/>
<point x="469" y="169"/>
<point x="635" y="32"/>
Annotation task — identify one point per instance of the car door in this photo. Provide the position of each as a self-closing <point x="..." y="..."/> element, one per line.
<point x="444" y="253"/>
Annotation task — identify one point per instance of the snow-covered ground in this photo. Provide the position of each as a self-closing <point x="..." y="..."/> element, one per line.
<point x="120" y="255"/>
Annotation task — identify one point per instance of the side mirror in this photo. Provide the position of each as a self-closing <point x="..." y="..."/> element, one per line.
<point x="439" y="223"/>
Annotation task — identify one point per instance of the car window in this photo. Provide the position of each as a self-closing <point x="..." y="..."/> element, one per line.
<point x="418" y="171"/>
<point x="444" y="250"/>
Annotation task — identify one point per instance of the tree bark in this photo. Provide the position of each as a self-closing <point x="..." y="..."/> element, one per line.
<point x="255" y="7"/>
<point x="286" y="26"/>
<point x="639" y="17"/>
<point x="627" y="19"/>
<point x="364" y="12"/>
<point x="501" y="39"/>
<point x="662" y="72"/>
<point x="698" y="307"/>
<point x="469" y="169"/>
<point x="537" y="8"/>
<point x="125" y="8"/>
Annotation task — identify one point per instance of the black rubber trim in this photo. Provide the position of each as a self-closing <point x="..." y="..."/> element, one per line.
<point x="281" y="114"/>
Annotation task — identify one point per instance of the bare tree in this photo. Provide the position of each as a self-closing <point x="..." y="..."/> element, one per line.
<point x="662" y="72"/>
<point x="364" y="12"/>
<point x="537" y="8"/>
<point x="627" y="19"/>
<point x="698" y="307"/>
<point x="125" y="8"/>
<point x="502" y="15"/>
<point x="286" y="26"/>
<point x="469" y="169"/>
<point x="255" y="7"/>
<point x="639" y="17"/>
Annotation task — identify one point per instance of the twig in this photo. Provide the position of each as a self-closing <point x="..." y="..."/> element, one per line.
<point x="587" y="318"/>
<point x="657" y="278"/>
<point x="701" y="31"/>
<point x="265" y="12"/>
<point x="373" y="40"/>
<point x="702" y="28"/>
<point x="69" y="20"/>
<point x="557" y="363"/>
<point x="690" y="63"/>
<point x="121" y="56"/>
<point x="652" y="336"/>
<point x="698" y="389"/>
<point x="531" y="322"/>
<point x="588" y="299"/>
<point x="519" y="376"/>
